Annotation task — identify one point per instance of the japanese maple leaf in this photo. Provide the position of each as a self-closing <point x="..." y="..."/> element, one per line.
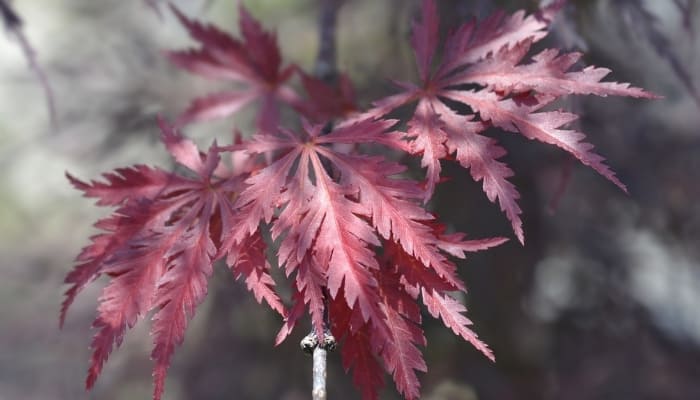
<point x="483" y="66"/>
<point x="159" y="248"/>
<point x="330" y="211"/>
<point x="254" y="62"/>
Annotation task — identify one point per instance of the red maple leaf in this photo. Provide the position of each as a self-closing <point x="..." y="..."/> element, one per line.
<point x="333" y="210"/>
<point x="159" y="247"/>
<point x="255" y="64"/>
<point x="511" y="94"/>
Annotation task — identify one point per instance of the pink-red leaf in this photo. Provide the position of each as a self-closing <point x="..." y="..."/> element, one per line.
<point x="253" y="61"/>
<point x="473" y="42"/>
<point x="180" y="290"/>
<point x="391" y="205"/>
<point x="450" y="311"/>
<point x="401" y="356"/>
<point x="549" y="72"/>
<point x="490" y="54"/>
<point x="428" y="131"/>
<point x="400" y="353"/>
<point x="358" y="355"/>
<point x="480" y="155"/>
<point x="311" y="281"/>
<point x="546" y="126"/>
<point x="249" y="261"/>
<point x="215" y="106"/>
<point x="137" y="182"/>
<point x="159" y="248"/>
<point x="342" y="241"/>
<point x="137" y="267"/>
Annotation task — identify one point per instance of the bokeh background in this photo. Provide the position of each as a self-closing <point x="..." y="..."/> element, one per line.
<point x="603" y="301"/>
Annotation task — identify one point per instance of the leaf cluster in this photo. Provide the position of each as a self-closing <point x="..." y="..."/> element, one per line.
<point x="354" y="238"/>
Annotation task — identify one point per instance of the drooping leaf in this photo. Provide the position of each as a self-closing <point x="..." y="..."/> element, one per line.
<point x="402" y="358"/>
<point x="332" y="210"/>
<point x="450" y="312"/>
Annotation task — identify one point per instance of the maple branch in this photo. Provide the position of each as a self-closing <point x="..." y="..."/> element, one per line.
<point x="9" y="16"/>
<point x="13" y="24"/>
<point x="318" y="392"/>
<point x="311" y="344"/>
<point x="319" y="350"/>
<point x="326" y="66"/>
<point x="644" y="23"/>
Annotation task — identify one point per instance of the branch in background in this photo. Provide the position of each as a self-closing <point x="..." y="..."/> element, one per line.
<point x="13" y="24"/>
<point x="687" y="8"/>
<point x="9" y="16"/>
<point x="326" y="66"/>
<point x="644" y="23"/>
<point x="565" y="26"/>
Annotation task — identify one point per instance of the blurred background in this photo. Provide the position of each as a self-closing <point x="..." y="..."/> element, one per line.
<point x="603" y="301"/>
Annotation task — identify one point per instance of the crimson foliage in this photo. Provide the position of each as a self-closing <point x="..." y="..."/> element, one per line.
<point x="352" y="235"/>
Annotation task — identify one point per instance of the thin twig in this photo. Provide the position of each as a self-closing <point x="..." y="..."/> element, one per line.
<point x="9" y="16"/>
<point x="644" y="23"/>
<point x="13" y="24"/>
